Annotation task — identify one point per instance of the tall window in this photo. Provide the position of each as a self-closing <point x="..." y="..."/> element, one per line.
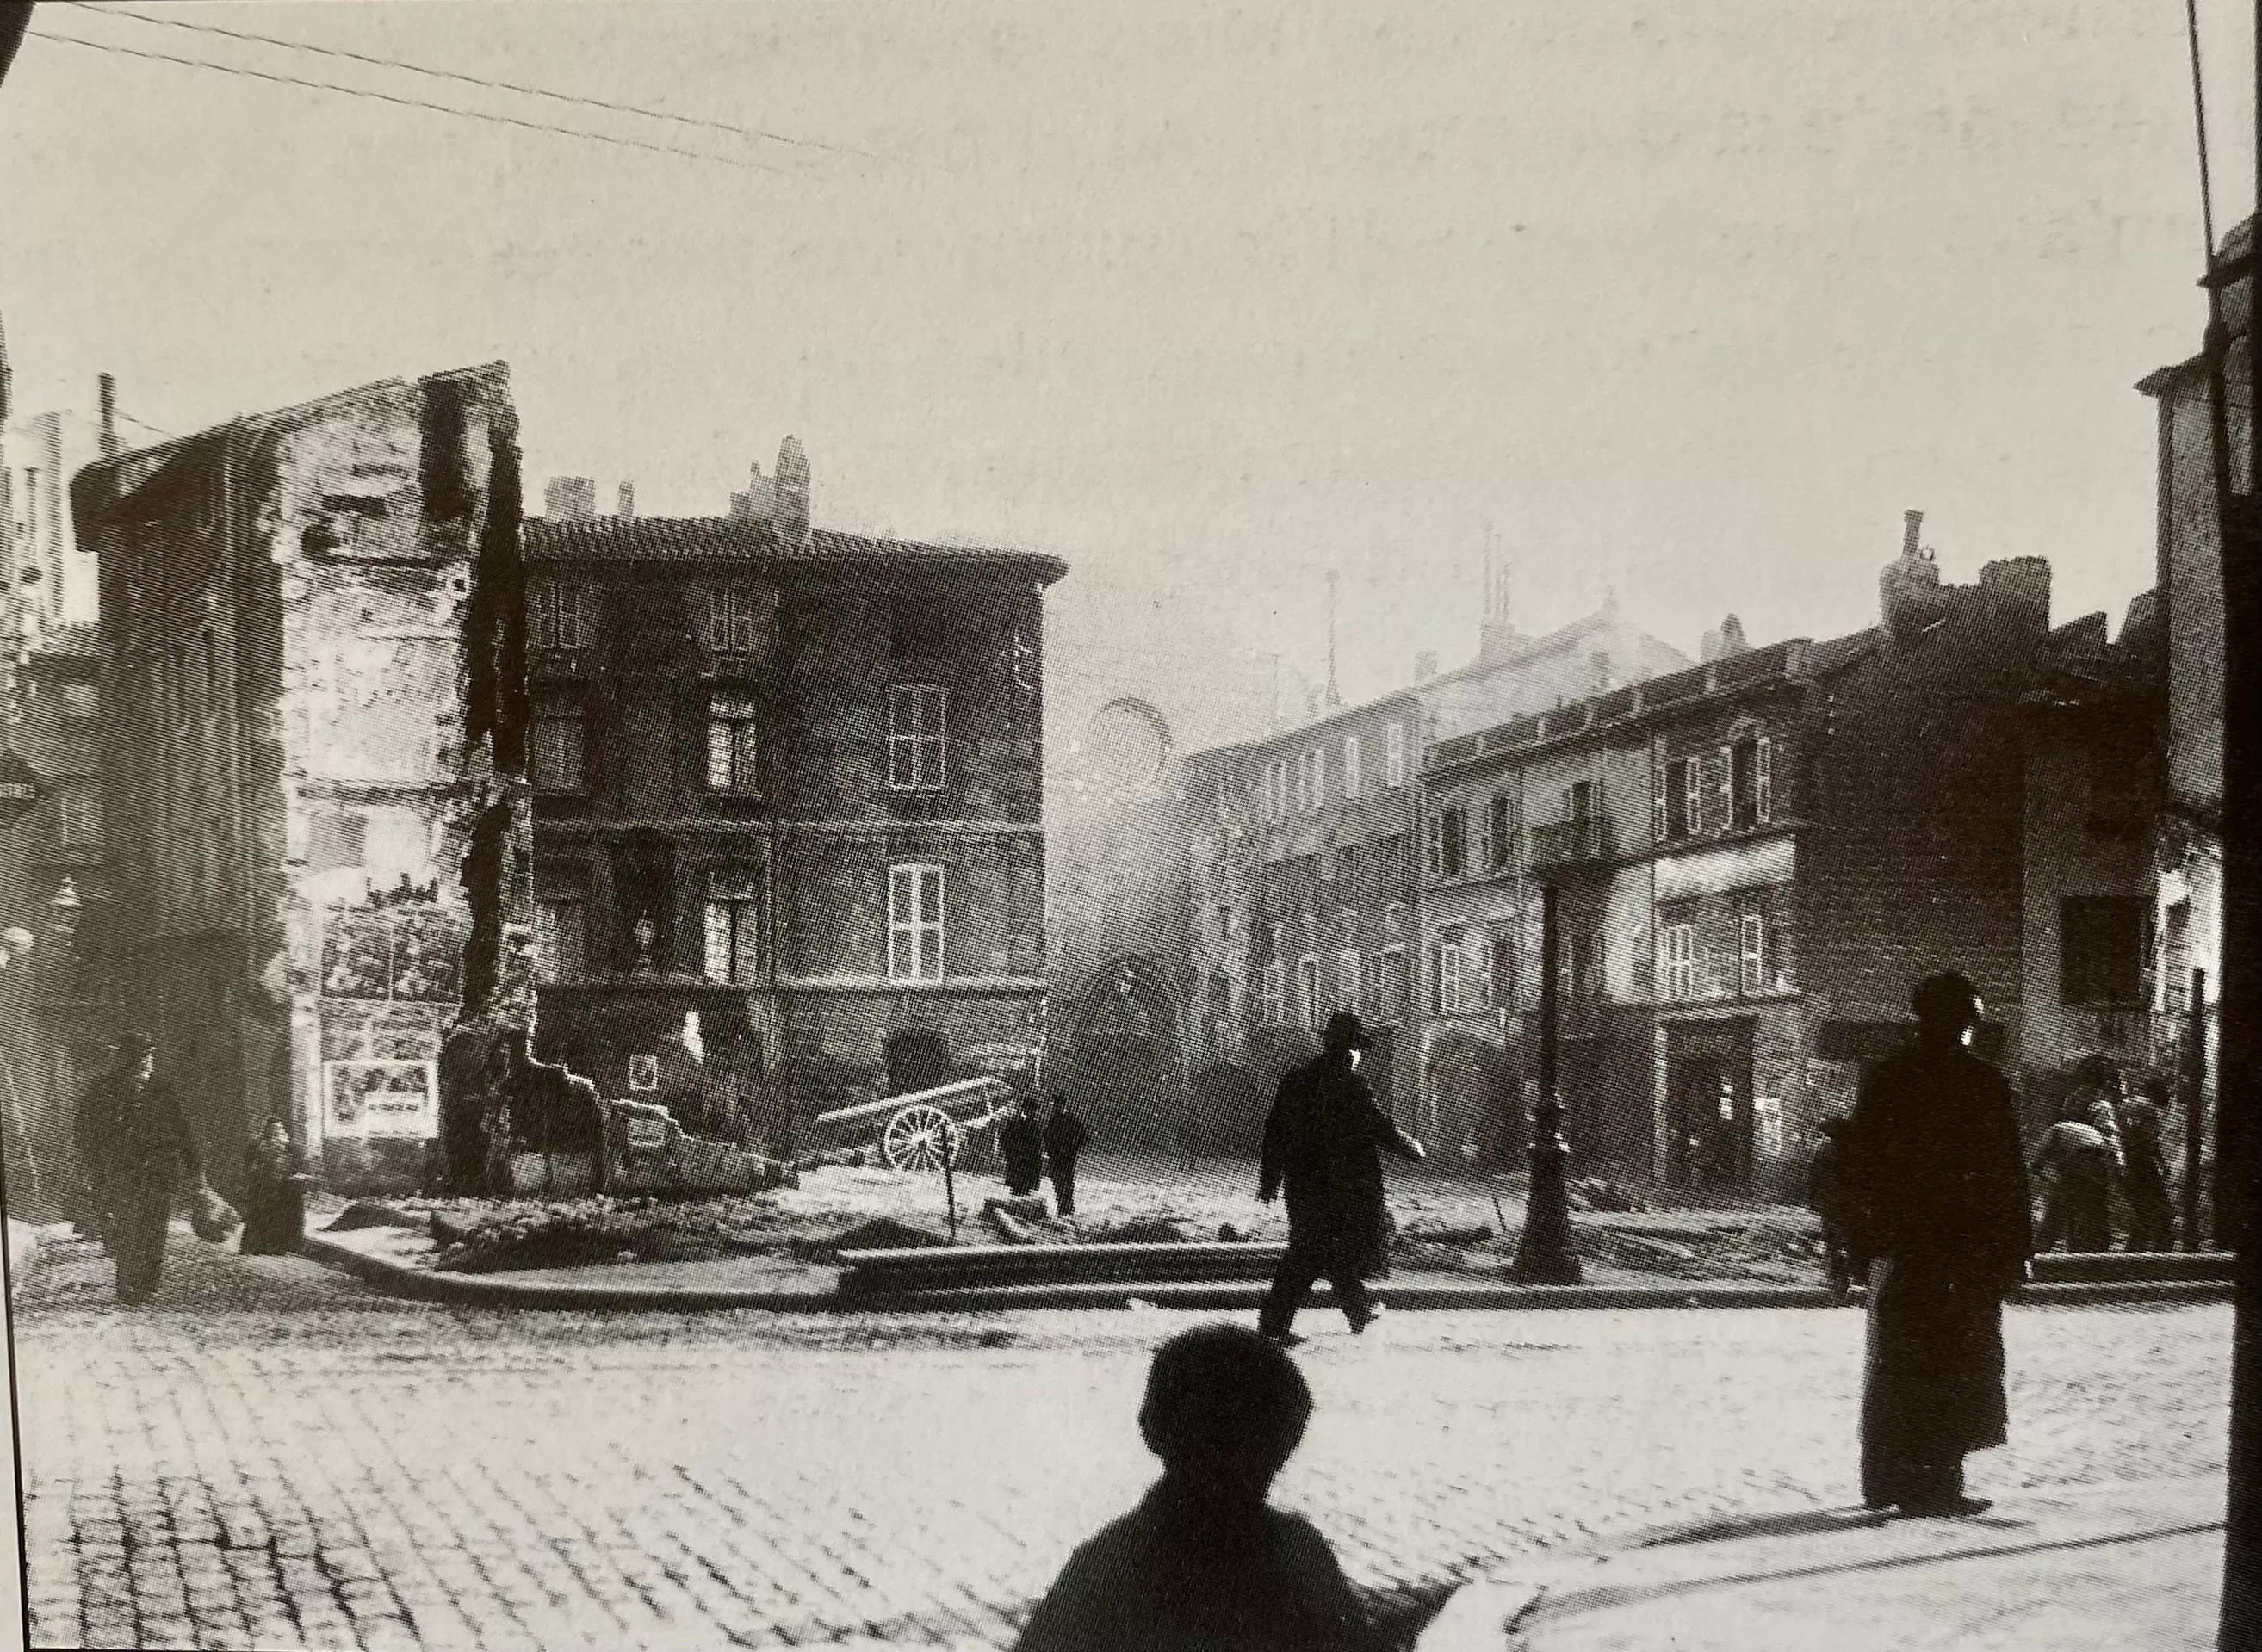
<point x="1583" y="969"/>
<point x="916" y="716"/>
<point x="561" y="948"/>
<point x="2175" y="959"/>
<point x="733" y="617"/>
<point x="1681" y="803"/>
<point x="1751" y="783"/>
<point x="1390" y="988"/>
<point x="1394" y="755"/>
<point x="1307" y="991"/>
<point x="1503" y="967"/>
<point x="558" y="616"/>
<point x="1754" y="975"/>
<point x="1678" y="944"/>
<point x="733" y="933"/>
<point x="914" y="922"/>
<point x="1314" y="777"/>
<point x="1452" y="857"/>
<point x="1350" y="774"/>
<point x="1270" y="1009"/>
<point x="733" y="744"/>
<point x="1347" y="978"/>
<point x="1499" y="832"/>
<point x="560" y="747"/>
<point x="78" y="815"/>
<point x="2101" y="949"/>
<point x="1390" y="859"/>
<point x="1276" y="791"/>
<point x="1446" y="976"/>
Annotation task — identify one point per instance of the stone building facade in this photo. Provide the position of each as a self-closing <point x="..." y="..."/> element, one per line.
<point x="788" y="782"/>
<point x="1754" y="860"/>
<point x="313" y="718"/>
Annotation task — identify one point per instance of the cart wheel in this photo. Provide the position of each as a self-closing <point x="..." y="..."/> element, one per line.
<point x="918" y="1138"/>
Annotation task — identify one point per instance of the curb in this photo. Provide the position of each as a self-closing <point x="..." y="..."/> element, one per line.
<point x="477" y="1291"/>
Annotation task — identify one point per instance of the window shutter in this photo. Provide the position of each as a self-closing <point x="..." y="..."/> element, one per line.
<point x="1692" y="795"/>
<point x="1351" y="775"/>
<point x="1657" y="811"/>
<point x="1764" y="786"/>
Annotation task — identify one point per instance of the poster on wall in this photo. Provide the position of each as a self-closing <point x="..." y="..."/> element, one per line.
<point x="356" y="955"/>
<point x="428" y="951"/>
<point x="381" y="1098"/>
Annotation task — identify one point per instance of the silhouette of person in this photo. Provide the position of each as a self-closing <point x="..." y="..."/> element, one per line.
<point x="1322" y="1142"/>
<point x="1936" y="1210"/>
<point x="132" y="1134"/>
<point x="1065" y="1137"/>
<point x="1204" y="1563"/>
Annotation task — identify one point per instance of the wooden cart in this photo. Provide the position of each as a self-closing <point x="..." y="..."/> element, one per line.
<point x="918" y="1131"/>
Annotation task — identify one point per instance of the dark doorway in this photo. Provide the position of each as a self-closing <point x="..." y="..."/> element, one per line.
<point x="1708" y="1076"/>
<point x="1380" y="1064"/>
<point x="917" y="1061"/>
<point x="1125" y="1083"/>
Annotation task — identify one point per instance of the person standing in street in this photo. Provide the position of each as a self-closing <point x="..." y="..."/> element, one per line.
<point x="1324" y="1141"/>
<point x="1065" y="1137"/>
<point x="275" y="1194"/>
<point x="1021" y="1145"/>
<point x="2144" y="1170"/>
<point x="1936" y="1208"/>
<point x="133" y="1132"/>
<point x="2074" y="1165"/>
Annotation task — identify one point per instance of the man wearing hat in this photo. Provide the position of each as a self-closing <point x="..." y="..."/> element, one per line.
<point x="132" y="1130"/>
<point x="1322" y="1145"/>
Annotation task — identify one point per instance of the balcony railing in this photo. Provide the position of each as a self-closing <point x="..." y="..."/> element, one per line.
<point x="1583" y="841"/>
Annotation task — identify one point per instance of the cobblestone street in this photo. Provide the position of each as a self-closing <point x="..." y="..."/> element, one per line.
<point x="275" y="1456"/>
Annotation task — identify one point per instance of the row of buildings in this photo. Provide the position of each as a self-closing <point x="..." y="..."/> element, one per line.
<point x="1756" y="854"/>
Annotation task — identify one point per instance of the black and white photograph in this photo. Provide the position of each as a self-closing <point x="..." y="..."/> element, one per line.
<point x="1210" y="826"/>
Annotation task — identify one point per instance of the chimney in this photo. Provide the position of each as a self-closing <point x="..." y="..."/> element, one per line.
<point x="1709" y="650"/>
<point x="106" y="400"/>
<point x="1731" y="638"/>
<point x="1425" y="664"/>
<point x="1908" y="590"/>
<point x="1496" y="629"/>
<point x="1911" y="525"/>
<point x="570" y="498"/>
<point x="791" y="519"/>
<point x="625" y="506"/>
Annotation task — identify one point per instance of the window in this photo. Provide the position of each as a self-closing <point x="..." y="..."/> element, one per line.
<point x="1754" y="976"/>
<point x="557" y="618"/>
<point x="1307" y="991"/>
<point x="1678" y="943"/>
<point x="1503" y="967"/>
<point x="733" y="619"/>
<point x="733" y="746"/>
<point x="79" y="700"/>
<point x="1269" y="984"/>
<point x="2175" y="959"/>
<point x="1351" y="775"/>
<point x="1692" y="797"/>
<point x="1434" y="855"/>
<point x="914" y="922"/>
<point x="1751" y="783"/>
<point x="1393" y="756"/>
<point x="1453" y="842"/>
<point x="558" y="748"/>
<point x="1276" y="791"/>
<point x="1584" y="967"/>
<point x="1499" y="832"/>
<point x="560" y="938"/>
<point x="78" y="815"/>
<point x="1719" y="811"/>
<point x="1347" y="978"/>
<point x="1394" y="921"/>
<point x="1390" y="859"/>
<point x="2101" y="949"/>
<point x="1446" y="976"/>
<point x="1316" y="763"/>
<point x="1348" y="862"/>
<point x="1476" y="971"/>
<point x="1390" y="986"/>
<point x="733" y="934"/>
<point x="915" y="717"/>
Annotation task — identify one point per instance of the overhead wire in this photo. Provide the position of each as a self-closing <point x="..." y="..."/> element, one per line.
<point x="705" y="123"/>
<point x="417" y="102"/>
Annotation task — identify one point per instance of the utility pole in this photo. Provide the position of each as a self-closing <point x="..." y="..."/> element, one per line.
<point x="1334" y="700"/>
<point x="1545" y="1256"/>
<point x="2239" y="1036"/>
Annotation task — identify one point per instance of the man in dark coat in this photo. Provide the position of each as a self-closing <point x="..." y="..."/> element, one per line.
<point x="132" y="1133"/>
<point x="1322" y="1142"/>
<point x="2144" y="1170"/>
<point x="1204" y="1563"/>
<point x="1065" y="1137"/>
<point x="1021" y="1144"/>
<point x="1826" y="1199"/>
<point x="1935" y="1189"/>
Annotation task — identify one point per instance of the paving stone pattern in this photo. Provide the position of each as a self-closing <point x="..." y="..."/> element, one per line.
<point x="272" y="1455"/>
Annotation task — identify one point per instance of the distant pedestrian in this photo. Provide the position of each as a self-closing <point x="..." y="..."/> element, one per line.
<point x="133" y="1134"/>
<point x="1205" y="1564"/>
<point x="1825" y="1198"/>
<point x="1935" y="1201"/>
<point x="2074" y="1165"/>
<point x="1065" y="1137"/>
<point x="1322" y="1142"/>
<point x="275" y="1194"/>
<point x="1021" y="1145"/>
<point x="2144" y="1168"/>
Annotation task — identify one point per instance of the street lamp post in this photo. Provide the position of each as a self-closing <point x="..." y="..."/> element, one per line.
<point x="1545" y="1256"/>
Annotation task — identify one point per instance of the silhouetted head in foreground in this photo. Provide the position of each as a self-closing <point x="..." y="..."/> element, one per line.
<point x="1947" y="1008"/>
<point x="1225" y="1410"/>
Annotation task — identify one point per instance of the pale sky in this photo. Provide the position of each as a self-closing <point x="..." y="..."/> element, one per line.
<point x="1687" y="299"/>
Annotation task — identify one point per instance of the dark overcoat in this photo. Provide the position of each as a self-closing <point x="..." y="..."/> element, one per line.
<point x="127" y="1137"/>
<point x="1021" y="1144"/>
<point x="1323" y="1145"/>
<point x="1935" y="1186"/>
<point x="1065" y="1137"/>
<point x="1174" y="1576"/>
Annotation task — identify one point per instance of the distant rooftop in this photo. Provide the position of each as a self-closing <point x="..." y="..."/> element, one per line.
<point x="750" y="539"/>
